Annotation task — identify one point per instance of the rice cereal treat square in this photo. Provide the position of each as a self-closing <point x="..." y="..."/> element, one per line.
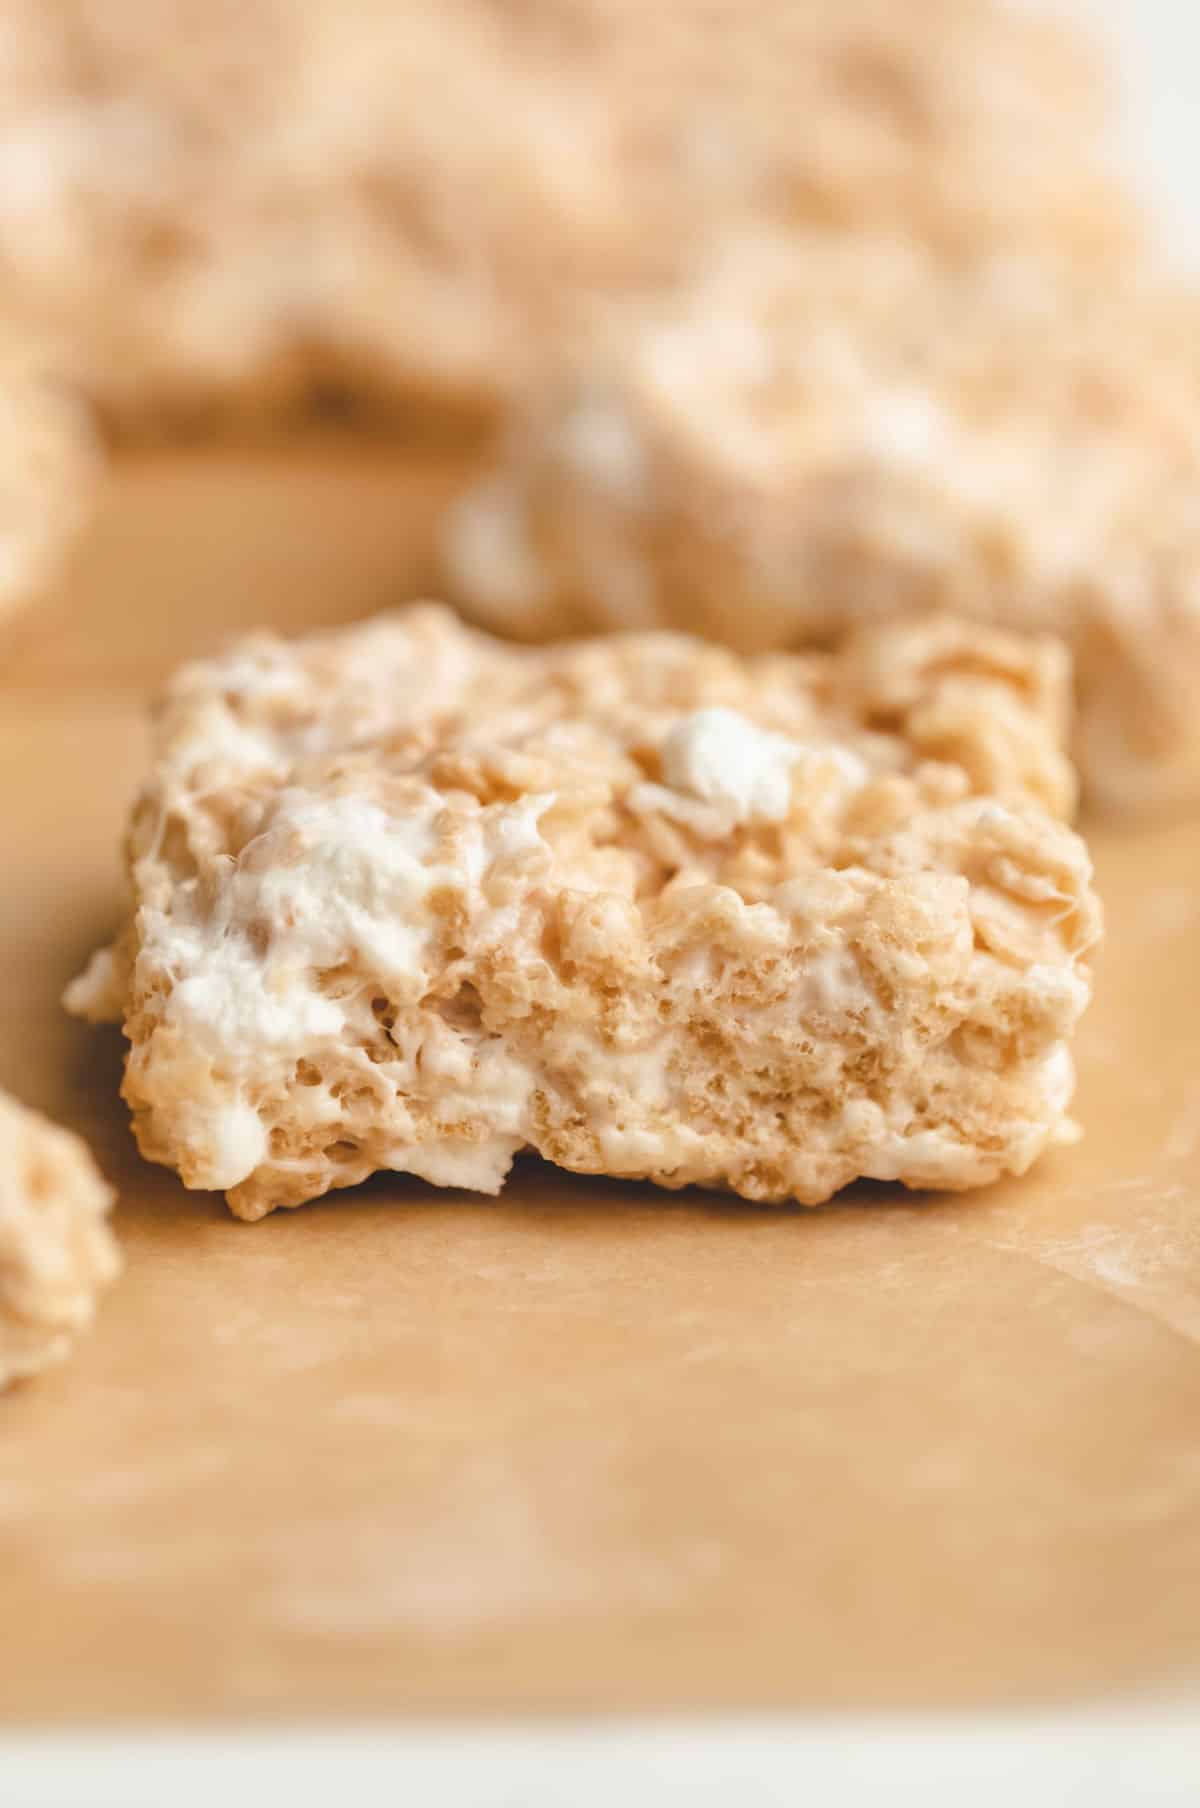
<point x="57" y="1254"/>
<point x="48" y="461"/>
<point x="221" y="208"/>
<point x="833" y="429"/>
<point x="406" y="897"/>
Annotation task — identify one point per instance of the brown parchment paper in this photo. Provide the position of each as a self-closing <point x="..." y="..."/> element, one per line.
<point x="589" y="1445"/>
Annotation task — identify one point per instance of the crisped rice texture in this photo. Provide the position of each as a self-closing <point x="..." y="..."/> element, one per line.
<point x="834" y="429"/>
<point x="47" y="475"/>
<point x="57" y="1254"/>
<point x="239" y="205"/>
<point x="407" y="898"/>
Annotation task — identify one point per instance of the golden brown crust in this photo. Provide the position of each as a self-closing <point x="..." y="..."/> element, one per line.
<point x="405" y="897"/>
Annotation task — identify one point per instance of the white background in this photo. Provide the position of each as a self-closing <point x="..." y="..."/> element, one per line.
<point x="1155" y="46"/>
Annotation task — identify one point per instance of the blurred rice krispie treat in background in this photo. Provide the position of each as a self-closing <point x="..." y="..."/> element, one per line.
<point x="239" y="205"/>
<point x="47" y="472"/>
<point x="833" y="428"/>
<point x="57" y="1253"/>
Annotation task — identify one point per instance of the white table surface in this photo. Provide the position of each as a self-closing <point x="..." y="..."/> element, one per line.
<point x="1099" y="1756"/>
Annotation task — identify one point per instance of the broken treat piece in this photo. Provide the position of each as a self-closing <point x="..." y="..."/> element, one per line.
<point x="832" y="429"/>
<point x="57" y="1253"/>
<point x="405" y="897"/>
<point x="237" y="206"/>
<point x="47" y="473"/>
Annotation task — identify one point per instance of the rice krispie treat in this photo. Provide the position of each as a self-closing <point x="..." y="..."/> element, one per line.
<point x="241" y="204"/>
<point x="57" y="1254"/>
<point x="47" y="460"/>
<point x="407" y="898"/>
<point x="833" y="429"/>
